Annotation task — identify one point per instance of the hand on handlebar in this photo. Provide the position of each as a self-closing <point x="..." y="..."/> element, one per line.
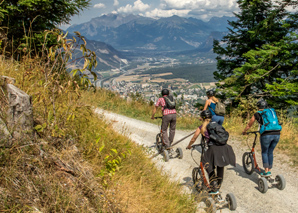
<point x="244" y="133"/>
<point x="189" y="147"/>
<point x="152" y="117"/>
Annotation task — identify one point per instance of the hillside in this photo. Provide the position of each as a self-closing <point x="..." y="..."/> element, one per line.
<point x="73" y="160"/>
<point x="107" y="56"/>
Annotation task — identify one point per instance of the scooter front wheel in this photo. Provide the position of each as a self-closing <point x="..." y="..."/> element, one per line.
<point x="248" y="163"/>
<point x="166" y="156"/>
<point x="158" y="142"/>
<point x="197" y="178"/>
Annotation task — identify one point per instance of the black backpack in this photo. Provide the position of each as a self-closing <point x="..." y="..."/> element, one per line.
<point x="217" y="133"/>
<point x="170" y="102"/>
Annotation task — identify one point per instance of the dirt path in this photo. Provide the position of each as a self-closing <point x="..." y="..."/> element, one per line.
<point x="236" y="181"/>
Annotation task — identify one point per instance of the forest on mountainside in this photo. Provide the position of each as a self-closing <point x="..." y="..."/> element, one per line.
<point x="198" y="73"/>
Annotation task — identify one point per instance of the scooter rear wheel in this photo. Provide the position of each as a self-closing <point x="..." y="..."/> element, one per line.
<point x="281" y="182"/>
<point x="232" y="203"/>
<point x="263" y="185"/>
<point x="210" y="205"/>
<point x="179" y="153"/>
<point x="248" y="163"/>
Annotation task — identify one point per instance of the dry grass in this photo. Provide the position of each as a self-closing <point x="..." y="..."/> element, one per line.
<point x="155" y="192"/>
<point x="78" y="163"/>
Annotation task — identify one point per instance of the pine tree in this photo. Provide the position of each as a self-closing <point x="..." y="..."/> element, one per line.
<point x="259" y="51"/>
<point x="24" y="21"/>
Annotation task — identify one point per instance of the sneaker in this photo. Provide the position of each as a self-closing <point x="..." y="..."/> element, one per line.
<point x="213" y="192"/>
<point x="265" y="173"/>
<point x="168" y="147"/>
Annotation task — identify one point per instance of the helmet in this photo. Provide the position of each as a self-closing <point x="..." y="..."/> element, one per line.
<point x="262" y="104"/>
<point x="165" y="92"/>
<point x="206" y="114"/>
<point x="210" y="93"/>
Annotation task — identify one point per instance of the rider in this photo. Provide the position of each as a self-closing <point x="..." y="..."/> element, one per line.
<point x="210" y="104"/>
<point x="216" y="156"/>
<point x="269" y="139"/>
<point x="169" y="118"/>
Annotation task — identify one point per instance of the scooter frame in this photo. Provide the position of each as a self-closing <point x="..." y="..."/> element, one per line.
<point x="214" y="201"/>
<point x="250" y="158"/>
<point x="160" y="146"/>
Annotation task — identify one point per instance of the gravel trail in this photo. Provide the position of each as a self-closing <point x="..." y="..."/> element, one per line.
<point x="236" y="181"/>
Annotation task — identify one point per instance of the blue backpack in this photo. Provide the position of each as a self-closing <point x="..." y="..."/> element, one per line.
<point x="270" y="121"/>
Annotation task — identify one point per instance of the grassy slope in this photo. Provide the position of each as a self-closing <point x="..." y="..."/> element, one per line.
<point x="78" y="164"/>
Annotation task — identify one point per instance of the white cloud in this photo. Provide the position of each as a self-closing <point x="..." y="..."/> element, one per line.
<point x="166" y="13"/>
<point x="100" y="5"/>
<point x="203" y="9"/>
<point x="200" y="4"/>
<point x="116" y="3"/>
<point x="138" y="6"/>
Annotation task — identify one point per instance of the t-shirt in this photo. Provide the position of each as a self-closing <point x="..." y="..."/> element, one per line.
<point x="259" y="118"/>
<point x="212" y="108"/>
<point x="161" y="102"/>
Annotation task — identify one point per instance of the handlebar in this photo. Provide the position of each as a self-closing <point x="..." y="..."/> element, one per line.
<point x="254" y="132"/>
<point x="194" y="146"/>
<point x="158" y="117"/>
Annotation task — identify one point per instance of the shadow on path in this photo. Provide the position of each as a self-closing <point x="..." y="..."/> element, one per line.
<point x="240" y="172"/>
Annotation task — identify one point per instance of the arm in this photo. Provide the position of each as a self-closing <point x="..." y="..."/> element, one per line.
<point x="207" y="103"/>
<point x="154" y="111"/>
<point x="250" y="123"/>
<point x="194" y="138"/>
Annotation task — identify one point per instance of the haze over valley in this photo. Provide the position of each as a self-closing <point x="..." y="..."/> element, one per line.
<point x="138" y="54"/>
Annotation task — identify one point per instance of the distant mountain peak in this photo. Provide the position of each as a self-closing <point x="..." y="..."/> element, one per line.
<point x="131" y="32"/>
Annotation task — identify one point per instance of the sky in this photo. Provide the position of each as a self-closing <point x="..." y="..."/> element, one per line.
<point x="201" y="9"/>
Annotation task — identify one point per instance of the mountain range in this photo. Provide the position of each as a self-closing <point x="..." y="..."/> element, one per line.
<point x="107" y="56"/>
<point x="138" y="33"/>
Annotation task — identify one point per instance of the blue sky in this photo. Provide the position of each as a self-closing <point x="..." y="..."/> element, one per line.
<point x="202" y="9"/>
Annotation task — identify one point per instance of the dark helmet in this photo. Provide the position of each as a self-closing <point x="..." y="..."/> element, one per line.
<point x="262" y="104"/>
<point x="165" y="92"/>
<point x="206" y="114"/>
<point x="210" y="93"/>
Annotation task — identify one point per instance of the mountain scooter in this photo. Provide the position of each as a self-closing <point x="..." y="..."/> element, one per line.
<point x="201" y="182"/>
<point x="250" y="165"/>
<point x="167" y="153"/>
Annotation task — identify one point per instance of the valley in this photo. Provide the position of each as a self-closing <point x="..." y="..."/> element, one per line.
<point x="139" y="55"/>
<point x="187" y="82"/>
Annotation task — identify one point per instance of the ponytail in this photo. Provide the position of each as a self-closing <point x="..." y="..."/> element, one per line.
<point x="214" y="99"/>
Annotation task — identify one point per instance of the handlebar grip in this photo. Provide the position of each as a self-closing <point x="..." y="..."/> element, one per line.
<point x="254" y="132"/>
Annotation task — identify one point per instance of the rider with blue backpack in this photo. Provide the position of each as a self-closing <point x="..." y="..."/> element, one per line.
<point x="269" y="130"/>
